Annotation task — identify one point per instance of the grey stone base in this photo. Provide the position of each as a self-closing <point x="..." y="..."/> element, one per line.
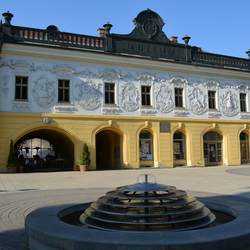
<point x="47" y="232"/>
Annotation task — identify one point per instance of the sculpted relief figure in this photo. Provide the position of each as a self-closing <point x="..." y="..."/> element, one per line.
<point x="5" y="89"/>
<point x="129" y="97"/>
<point x="229" y="104"/>
<point x="89" y="95"/>
<point x="196" y="100"/>
<point x="163" y="99"/>
<point x="43" y="92"/>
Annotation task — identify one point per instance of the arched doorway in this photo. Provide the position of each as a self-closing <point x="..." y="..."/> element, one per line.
<point x="45" y="150"/>
<point x="212" y="145"/>
<point x="146" y="148"/>
<point x="244" y="147"/>
<point x="179" y="146"/>
<point x="108" y="150"/>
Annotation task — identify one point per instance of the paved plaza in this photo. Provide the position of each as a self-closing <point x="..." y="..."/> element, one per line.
<point x="22" y="193"/>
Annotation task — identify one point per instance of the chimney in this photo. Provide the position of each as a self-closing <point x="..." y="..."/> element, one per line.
<point x="174" y="39"/>
<point x="101" y="32"/>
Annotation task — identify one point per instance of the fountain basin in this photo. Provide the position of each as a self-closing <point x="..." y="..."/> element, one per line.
<point x="47" y="232"/>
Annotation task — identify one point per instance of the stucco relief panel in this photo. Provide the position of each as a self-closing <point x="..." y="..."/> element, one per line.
<point x="43" y="92"/>
<point x="89" y="94"/>
<point x="129" y="97"/>
<point x="229" y="103"/>
<point x="163" y="98"/>
<point x="196" y="100"/>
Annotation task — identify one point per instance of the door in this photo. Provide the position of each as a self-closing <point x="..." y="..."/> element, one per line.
<point x="212" y="152"/>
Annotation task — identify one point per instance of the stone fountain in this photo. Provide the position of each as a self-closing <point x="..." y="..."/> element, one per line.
<point x="145" y="215"/>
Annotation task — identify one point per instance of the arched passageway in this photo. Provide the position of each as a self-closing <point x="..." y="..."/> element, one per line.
<point x="45" y="150"/>
<point x="108" y="150"/>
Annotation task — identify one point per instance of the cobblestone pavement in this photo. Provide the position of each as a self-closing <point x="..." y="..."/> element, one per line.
<point x="22" y="193"/>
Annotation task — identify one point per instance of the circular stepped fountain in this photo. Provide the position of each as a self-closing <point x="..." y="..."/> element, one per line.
<point x="147" y="206"/>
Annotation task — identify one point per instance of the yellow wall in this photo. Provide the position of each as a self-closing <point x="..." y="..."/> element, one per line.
<point x="82" y="129"/>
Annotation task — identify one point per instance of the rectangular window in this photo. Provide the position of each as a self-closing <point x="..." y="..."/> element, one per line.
<point x="178" y="97"/>
<point x="211" y="100"/>
<point x="21" y="88"/>
<point x="63" y="90"/>
<point x="243" y="103"/>
<point x="109" y="93"/>
<point x="145" y="95"/>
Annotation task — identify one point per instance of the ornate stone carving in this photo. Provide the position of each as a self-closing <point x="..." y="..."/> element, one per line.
<point x="5" y="89"/>
<point x="43" y="68"/>
<point x="243" y="88"/>
<point x="178" y="81"/>
<point x="211" y="85"/>
<point x="147" y="111"/>
<point x="109" y="73"/>
<point x="129" y="76"/>
<point x="43" y="92"/>
<point x="150" y="28"/>
<point x="63" y="67"/>
<point x="21" y="63"/>
<point x="21" y="107"/>
<point x="87" y="72"/>
<point x="64" y="109"/>
<point x="146" y="79"/>
<point x="163" y="99"/>
<point x="229" y="104"/>
<point x="64" y="75"/>
<point x="129" y="97"/>
<point x="196" y="100"/>
<point x="214" y="115"/>
<point x="21" y="71"/>
<point x="47" y="120"/>
<point x="89" y="94"/>
<point x="181" y="113"/>
<point x="110" y="111"/>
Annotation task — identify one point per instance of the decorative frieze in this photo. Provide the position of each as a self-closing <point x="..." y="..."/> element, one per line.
<point x="63" y="67"/>
<point x="181" y="113"/>
<point x="215" y="115"/>
<point x="110" y="111"/>
<point x="147" y="111"/>
<point x="64" y="109"/>
<point x="21" y="107"/>
<point x="245" y="116"/>
<point x="146" y="79"/>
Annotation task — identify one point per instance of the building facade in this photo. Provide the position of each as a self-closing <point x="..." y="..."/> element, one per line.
<point x="136" y="100"/>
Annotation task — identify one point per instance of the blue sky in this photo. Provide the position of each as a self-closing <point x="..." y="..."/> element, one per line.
<point x="218" y="26"/>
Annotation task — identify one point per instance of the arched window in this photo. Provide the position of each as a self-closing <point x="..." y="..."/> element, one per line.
<point x="146" y="146"/>
<point x="179" y="146"/>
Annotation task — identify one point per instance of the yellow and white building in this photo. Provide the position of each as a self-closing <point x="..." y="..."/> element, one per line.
<point x="136" y="100"/>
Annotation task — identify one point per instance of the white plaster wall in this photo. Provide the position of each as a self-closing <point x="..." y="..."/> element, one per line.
<point x="87" y="89"/>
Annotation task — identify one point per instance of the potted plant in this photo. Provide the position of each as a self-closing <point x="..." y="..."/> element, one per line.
<point x="76" y="167"/>
<point x="85" y="160"/>
<point x="12" y="163"/>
